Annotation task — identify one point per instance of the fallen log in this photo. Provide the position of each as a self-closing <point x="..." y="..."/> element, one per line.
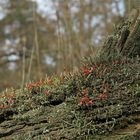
<point x="125" y="40"/>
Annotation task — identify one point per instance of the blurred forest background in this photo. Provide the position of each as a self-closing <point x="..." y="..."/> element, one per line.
<point x="45" y="37"/>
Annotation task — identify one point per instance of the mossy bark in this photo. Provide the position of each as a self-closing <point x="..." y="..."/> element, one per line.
<point x="125" y="40"/>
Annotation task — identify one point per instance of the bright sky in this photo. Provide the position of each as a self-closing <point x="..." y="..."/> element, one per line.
<point x="46" y="8"/>
<point x="2" y="8"/>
